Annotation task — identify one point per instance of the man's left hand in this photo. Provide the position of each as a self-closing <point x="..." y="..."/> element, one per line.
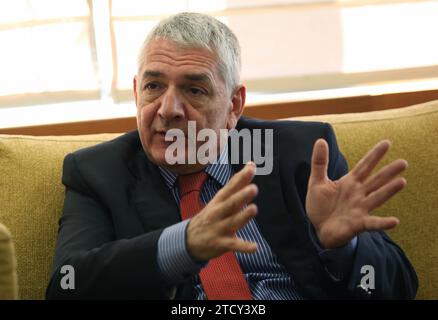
<point x="339" y="210"/>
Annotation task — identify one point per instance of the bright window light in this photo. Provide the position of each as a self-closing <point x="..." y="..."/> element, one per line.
<point x="46" y="58"/>
<point x="123" y="8"/>
<point x="12" y="11"/>
<point x="391" y="36"/>
<point x="45" y="47"/>
<point x="129" y="37"/>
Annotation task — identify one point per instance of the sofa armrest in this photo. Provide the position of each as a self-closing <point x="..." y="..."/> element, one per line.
<point x="8" y="266"/>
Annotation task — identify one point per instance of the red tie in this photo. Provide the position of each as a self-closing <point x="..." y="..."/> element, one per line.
<point x="222" y="278"/>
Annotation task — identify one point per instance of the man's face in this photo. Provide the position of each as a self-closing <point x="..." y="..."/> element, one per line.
<point x="176" y="85"/>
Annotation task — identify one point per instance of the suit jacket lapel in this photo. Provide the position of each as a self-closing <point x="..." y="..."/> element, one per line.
<point x="153" y="200"/>
<point x="155" y="205"/>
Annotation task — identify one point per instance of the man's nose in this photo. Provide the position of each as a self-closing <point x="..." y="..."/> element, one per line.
<point x="172" y="106"/>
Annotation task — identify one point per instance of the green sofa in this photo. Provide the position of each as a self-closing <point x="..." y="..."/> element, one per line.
<point x="31" y="193"/>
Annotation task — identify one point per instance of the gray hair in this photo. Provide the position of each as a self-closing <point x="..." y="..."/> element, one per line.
<point x="196" y="30"/>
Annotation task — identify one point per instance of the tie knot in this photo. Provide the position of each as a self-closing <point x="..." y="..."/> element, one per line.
<point x="191" y="182"/>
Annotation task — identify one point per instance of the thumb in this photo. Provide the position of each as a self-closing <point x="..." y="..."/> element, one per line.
<point x="320" y="159"/>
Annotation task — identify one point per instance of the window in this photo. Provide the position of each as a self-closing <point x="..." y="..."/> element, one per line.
<point x="81" y="50"/>
<point x="293" y="45"/>
<point x="46" y="52"/>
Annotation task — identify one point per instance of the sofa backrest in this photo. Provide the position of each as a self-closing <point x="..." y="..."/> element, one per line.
<point x="31" y="193"/>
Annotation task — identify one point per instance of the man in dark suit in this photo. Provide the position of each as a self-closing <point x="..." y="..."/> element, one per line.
<point x="129" y="230"/>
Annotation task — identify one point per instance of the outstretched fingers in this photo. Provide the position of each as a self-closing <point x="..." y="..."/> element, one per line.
<point x="240" y="180"/>
<point x="233" y="223"/>
<point x="366" y="165"/>
<point x="373" y="223"/>
<point x="238" y="245"/>
<point x="381" y="195"/>
<point x="236" y="202"/>
<point x="320" y="160"/>
<point x="237" y="221"/>
<point x="385" y="175"/>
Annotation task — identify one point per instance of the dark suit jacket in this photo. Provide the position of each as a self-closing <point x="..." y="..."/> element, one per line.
<point x="117" y="205"/>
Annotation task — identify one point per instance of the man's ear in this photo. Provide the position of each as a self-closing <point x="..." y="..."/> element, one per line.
<point x="237" y="106"/>
<point x="135" y="88"/>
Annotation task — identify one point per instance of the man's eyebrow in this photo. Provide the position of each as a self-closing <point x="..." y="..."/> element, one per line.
<point x="152" y="74"/>
<point x="202" y="77"/>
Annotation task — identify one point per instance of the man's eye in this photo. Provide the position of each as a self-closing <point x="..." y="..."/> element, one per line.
<point x="196" y="91"/>
<point x="151" y="86"/>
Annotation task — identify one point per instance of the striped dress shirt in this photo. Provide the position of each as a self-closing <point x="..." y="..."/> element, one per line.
<point x="267" y="278"/>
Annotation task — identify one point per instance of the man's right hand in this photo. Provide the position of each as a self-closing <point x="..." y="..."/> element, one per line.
<point x="212" y="232"/>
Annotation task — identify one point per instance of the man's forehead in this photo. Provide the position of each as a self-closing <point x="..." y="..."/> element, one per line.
<point x="176" y="50"/>
<point x="191" y="75"/>
<point x="164" y="56"/>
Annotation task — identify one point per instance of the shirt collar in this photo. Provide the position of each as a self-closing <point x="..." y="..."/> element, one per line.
<point x="220" y="171"/>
